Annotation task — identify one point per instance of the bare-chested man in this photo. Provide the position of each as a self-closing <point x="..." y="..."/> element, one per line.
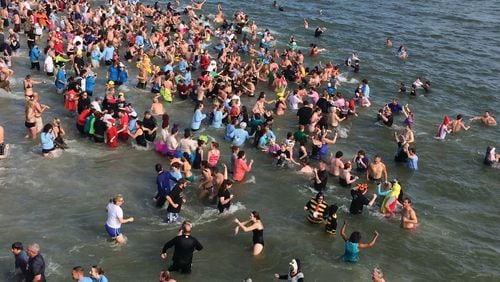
<point x="458" y="124"/>
<point x="377" y="170"/>
<point x="336" y="164"/>
<point x="4" y="148"/>
<point x="486" y="119"/>
<point x="408" y="216"/>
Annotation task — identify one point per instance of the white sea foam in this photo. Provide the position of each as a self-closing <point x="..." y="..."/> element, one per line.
<point x="250" y="180"/>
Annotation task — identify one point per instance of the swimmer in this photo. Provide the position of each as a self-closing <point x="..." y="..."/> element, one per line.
<point x="198" y="5"/>
<point x="408" y="216"/>
<point x="257" y="229"/>
<point x="156" y="107"/>
<point x="319" y="31"/>
<point x="316" y="208"/>
<point x="377" y="275"/>
<point x="352" y="244"/>
<point x="115" y="219"/>
<point x="4" y="148"/>
<point x="306" y="24"/>
<point x="443" y="128"/>
<point x="376" y="170"/>
<point x="390" y="197"/>
<point x="491" y="158"/>
<point x="294" y="272"/>
<point x="166" y="277"/>
<point x="457" y="124"/>
<point x="486" y="119"/>
<point x="388" y="42"/>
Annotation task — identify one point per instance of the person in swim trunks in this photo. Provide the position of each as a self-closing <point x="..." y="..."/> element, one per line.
<point x="408" y="216"/>
<point x="376" y="170"/>
<point x="4" y="148"/>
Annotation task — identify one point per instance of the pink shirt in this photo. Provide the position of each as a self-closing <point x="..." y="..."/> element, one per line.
<point x="240" y="168"/>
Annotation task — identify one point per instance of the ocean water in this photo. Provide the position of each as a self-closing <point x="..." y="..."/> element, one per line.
<point x="60" y="202"/>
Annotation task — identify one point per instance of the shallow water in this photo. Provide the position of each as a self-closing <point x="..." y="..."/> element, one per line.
<point x="59" y="202"/>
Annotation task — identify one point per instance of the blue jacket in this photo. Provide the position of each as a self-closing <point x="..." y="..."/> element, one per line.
<point x="34" y="54"/>
<point x="197" y="118"/>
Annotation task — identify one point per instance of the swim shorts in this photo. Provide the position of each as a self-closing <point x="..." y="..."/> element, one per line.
<point x="113" y="232"/>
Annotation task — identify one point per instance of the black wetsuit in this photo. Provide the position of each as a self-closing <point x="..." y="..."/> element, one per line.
<point x="184" y="246"/>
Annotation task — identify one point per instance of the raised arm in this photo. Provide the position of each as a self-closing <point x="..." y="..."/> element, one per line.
<point x="342" y="231"/>
<point x="372" y="242"/>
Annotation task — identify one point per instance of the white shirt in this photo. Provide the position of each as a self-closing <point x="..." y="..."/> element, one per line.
<point x="114" y="213"/>
<point x="49" y="64"/>
<point x="96" y="106"/>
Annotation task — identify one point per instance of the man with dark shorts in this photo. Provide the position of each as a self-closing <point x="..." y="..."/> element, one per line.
<point x="184" y="246"/>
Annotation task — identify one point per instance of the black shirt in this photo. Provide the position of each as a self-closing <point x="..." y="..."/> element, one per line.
<point x="82" y="103"/>
<point x="324" y="105"/>
<point x="184" y="245"/>
<point x="226" y="195"/>
<point x="358" y="201"/>
<point x="305" y="114"/>
<point x="175" y="195"/>
<point x="21" y="262"/>
<point x="36" y="266"/>
<point x="149" y="123"/>
<point x="323" y="176"/>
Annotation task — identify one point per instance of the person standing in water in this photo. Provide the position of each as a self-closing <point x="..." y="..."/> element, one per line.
<point x="408" y="216"/>
<point x="486" y="119"/>
<point x="458" y="124"/>
<point x="184" y="246"/>
<point x="491" y="158"/>
<point x="294" y="272"/>
<point x="4" y="148"/>
<point x="115" y="219"/>
<point x="257" y="229"/>
<point x="443" y="128"/>
<point x="353" y="244"/>
<point x="376" y="170"/>
<point x="21" y="261"/>
<point x="35" y="270"/>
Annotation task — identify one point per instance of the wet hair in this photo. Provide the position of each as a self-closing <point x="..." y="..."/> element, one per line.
<point x="47" y="127"/>
<point x="241" y="154"/>
<point x="234" y="148"/>
<point x="17" y="246"/>
<point x="256" y="215"/>
<point x="187" y="133"/>
<point x="98" y="268"/>
<point x="355" y="237"/>
<point x="176" y="165"/>
<point x="407" y="199"/>
<point x="459" y="116"/>
<point x="158" y="167"/>
<point x="339" y="154"/>
<point x="318" y="195"/>
<point x="78" y="269"/>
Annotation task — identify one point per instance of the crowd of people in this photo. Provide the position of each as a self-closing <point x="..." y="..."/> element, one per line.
<point x="171" y="49"/>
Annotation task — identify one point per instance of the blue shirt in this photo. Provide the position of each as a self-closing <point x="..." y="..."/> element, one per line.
<point x="34" y="54"/>
<point x="182" y="65"/>
<point x="85" y="279"/>
<point x="60" y="76"/>
<point x="102" y="278"/>
<point x="412" y="163"/>
<point x="217" y="121"/>
<point x="351" y="252"/>
<point x="228" y="132"/>
<point x="108" y="53"/>
<point x="113" y="73"/>
<point x="240" y="136"/>
<point x="366" y="90"/>
<point x="89" y="83"/>
<point x="131" y="125"/>
<point x="163" y="183"/>
<point x="139" y="40"/>
<point x="122" y="76"/>
<point x="197" y="118"/>
<point x="176" y="177"/>
<point x="47" y="140"/>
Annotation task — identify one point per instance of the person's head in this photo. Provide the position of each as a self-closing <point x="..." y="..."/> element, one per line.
<point x="17" y="247"/>
<point x="118" y="199"/>
<point x="95" y="272"/>
<point x="361" y="153"/>
<point x="254" y="215"/>
<point x="77" y="273"/>
<point x="362" y="188"/>
<point x="412" y="150"/>
<point x="322" y="165"/>
<point x="377" y="159"/>
<point x="347" y="165"/>
<point x="33" y="250"/>
<point x="56" y="121"/>
<point x="147" y="114"/>
<point x="355" y="237"/>
<point x="182" y="183"/>
<point x="395" y="101"/>
<point x="158" y="167"/>
<point x="294" y="266"/>
<point x="459" y="117"/>
<point x="187" y="133"/>
<point x="339" y="154"/>
<point x="186" y="227"/>
<point x="47" y="128"/>
<point x="406" y="202"/>
<point x="377" y="274"/>
<point x="164" y="276"/>
<point x="319" y="197"/>
<point x="241" y="155"/>
<point x="235" y="149"/>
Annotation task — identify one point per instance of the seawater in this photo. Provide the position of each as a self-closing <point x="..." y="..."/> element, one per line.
<point x="59" y="202"/>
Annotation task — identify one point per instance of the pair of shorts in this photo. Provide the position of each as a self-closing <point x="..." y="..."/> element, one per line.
<point x="29" y="124"/>
<point x="113" y="232"/>
<point x="46" y="151"/>
<point x="2" y="149"/>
